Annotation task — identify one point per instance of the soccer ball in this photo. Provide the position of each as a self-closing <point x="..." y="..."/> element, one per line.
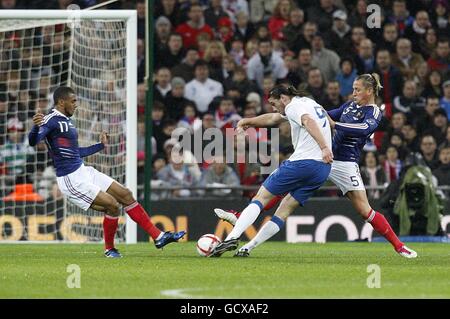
<point x="206" y="244"/>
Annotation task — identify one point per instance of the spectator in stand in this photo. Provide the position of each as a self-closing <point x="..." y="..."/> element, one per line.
<point x="439" y="17"/>
<point x="358" y="34"/>
<point x="424" y="119"/>
<point x="280" y="19"/>
<point x="293" y="30"/>
<point x="438" y="127"/>
<point x="219" y="174"/>
<point x="442" y="172"/>
<point x="185" y="69"/>
<point x="169" y="9"/>
<point x="357" y="16"/>
<point x="190" y="120"/>
<point x="412" y="140"/>
<point x="158" y="115"/>
<point x="305" y="39"/>
<point x="433" y="85"/>
<point x="392" y="164"/>
<point x="405" y="60"/>
<point x="202" y="89"/>
<point x="333" y="98"/>
<point x="243" y="29"/>
<point x="141" y="97"/>
<point x="172" y="55"/>
<point x="315" y="84"/>
<point x="429" y="151"/>
<point x="409" y="102"/>
<point x="338" y="38"/>
<point x="445" y="100"/>
<point x="326" y="60"/>
<point x="233" y="7"/>
<point x="163" y="29"/>
<point x="175" y="101"/>
<point x="225" y="31"/>
<point x="390" y="36"/>
<point x="264" y="63"/>
<point x="162" y="86"/>
<point x="177" y="173"/>
<point x="420" y="77"/>
<point x="214" y="55"/>
<point x="365" y="59"/>
<point x="416" y="31"/>
<point x="396" y="124"/>
<point x="428" y="44"/>
<point x="372" y="174"/>
<point x="398" y="140"/>
<point x="440" y="58"/>
<point x="226" y="115"/>
<point x="194" y="26"/>
<point x="345" y="77"/>
<point x="322" y="14"/>
<point x="214" y="12"/>
<point x="400" y="16"/>
<point x="391" y="78"/>
<point x="304" y="64"/>
<point x="240" y="81"/>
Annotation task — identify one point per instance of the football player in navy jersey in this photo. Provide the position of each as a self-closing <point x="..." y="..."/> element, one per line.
<point x="84" y="185"/>
<point x="353" y="123"/>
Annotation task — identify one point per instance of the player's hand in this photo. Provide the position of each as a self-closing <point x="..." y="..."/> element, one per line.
<point x="327" y="155"/>
<point x="38" y="118"/>
<point x="104" y="138"/>
<point x="241" y="126"/>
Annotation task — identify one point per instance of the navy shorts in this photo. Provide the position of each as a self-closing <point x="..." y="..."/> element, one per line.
<point x="299" y="178"/>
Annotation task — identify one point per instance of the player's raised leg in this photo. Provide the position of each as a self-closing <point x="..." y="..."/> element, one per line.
<point x="378" y="222"/>
<point x="138" y="214"/>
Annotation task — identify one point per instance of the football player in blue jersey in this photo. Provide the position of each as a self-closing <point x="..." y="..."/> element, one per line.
<point x="353" y="122"/>
<point x="83" y="185"/>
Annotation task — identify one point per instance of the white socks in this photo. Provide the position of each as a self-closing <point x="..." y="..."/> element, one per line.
<point x="248" y="217"/>
<point x="267" y="231"/>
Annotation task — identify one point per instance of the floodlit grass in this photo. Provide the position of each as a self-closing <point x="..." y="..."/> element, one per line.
<point x="274" y="270"/>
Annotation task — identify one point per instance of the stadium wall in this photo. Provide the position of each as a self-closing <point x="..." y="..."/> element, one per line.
<point x="321" y="220"/>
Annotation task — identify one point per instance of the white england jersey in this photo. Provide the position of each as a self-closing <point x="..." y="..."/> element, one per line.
<point x="305" y="147"/>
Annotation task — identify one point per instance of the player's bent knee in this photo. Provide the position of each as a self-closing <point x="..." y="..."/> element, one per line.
<point x="113" y="208"/>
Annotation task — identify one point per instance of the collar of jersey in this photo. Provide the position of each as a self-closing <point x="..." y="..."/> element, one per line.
<point x="358" y="106"/>
<point x="59" y="113"/>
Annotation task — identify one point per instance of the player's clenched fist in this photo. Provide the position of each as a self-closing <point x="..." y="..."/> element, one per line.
<point x="38" y="118"/>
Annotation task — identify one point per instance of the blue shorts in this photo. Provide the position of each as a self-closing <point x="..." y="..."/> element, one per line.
<point x="299" y="178"/>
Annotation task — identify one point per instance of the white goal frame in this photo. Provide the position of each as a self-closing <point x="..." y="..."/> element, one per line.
<point x="130" y="18"/>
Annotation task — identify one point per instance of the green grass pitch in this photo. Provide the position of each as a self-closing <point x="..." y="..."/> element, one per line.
<point x="274" y="270"/>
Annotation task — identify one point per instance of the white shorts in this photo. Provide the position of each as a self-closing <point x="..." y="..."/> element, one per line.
<point x="346" y="176"/>
<point x="82" y="186"/>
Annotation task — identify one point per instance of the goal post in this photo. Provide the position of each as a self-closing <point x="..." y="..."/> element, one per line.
<point x="95" y="52"/>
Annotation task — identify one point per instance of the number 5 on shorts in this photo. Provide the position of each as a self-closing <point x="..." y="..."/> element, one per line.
<point x="354" y="181"/>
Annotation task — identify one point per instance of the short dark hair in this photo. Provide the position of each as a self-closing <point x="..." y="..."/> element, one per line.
<point x="62" y="93"/>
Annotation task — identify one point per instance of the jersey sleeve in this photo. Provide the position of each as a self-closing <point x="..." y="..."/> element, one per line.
<point x="38" y="133"/>
<point x="296" y="111"/>
<point x="86" y="151"/>
<point x="335" y="114"/>
<point x="365" y="128"/>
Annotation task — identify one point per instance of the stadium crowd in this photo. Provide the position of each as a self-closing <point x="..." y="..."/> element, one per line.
<point x="215" y="61"/>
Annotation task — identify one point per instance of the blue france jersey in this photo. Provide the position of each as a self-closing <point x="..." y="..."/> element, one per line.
<point x="354" y="125"/>
<point x="61" y="138"/>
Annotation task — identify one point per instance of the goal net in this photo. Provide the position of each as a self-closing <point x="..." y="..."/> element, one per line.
<point x="94" y="53"/>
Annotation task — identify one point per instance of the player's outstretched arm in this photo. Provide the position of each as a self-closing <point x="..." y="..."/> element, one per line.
<point x="365" y="128"/>
<point x="264" y="120"/>
<point x="313" y="129"/>
<point x="86" y="151"/>
<point x="39" y="130"/>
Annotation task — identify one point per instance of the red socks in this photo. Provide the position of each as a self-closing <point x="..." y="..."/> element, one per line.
<point x="110" y="224"/>
<point x="274" y="201"/>
<point x="381" y="225"/>
<point x="139" y="215"/>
